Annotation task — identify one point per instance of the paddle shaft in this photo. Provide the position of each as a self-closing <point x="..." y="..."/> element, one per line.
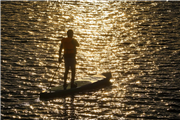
<point x="56" y="70"/>
<point x="54" y="75"/>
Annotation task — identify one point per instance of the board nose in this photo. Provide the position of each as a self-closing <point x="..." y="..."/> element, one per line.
<point x="107" y="74"/>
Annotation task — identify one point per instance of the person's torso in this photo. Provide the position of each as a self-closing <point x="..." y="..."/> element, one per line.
<point x="69" y="47"/>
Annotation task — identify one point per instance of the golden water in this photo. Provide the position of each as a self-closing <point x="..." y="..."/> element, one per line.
<point x="138" y="42"/>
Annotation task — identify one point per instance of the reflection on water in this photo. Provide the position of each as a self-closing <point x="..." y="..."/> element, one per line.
<point x="138" y="42"/>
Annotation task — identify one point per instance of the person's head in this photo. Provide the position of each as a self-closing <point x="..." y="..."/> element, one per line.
<point x="70" y="33"/>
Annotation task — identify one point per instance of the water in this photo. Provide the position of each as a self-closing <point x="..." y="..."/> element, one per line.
<point x="138" y="42"/>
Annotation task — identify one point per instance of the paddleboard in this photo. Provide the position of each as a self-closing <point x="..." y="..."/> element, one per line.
<point x="83" y="84"/>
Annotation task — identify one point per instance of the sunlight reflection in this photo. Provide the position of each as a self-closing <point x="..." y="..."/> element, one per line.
<point x="128" y="39"/>
<point x="99" y="31"/>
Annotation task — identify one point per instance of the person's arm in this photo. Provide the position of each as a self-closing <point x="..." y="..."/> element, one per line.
<point x="75" y="42"/>
<point x="60" y="50"/>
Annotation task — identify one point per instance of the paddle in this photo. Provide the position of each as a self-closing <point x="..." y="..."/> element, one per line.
<point x="56" y="70"/>
<point x="54" y="76"/>
<point x="55" y="73"/>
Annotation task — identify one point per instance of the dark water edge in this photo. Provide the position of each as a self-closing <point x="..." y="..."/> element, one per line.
<point x="138" y="42"/>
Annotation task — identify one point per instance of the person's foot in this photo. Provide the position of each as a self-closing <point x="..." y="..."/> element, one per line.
<point x="65" y="86"/>
<point x="74" y="85"/>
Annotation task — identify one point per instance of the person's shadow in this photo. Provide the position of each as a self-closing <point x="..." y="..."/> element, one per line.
<point x="69" y="112"/>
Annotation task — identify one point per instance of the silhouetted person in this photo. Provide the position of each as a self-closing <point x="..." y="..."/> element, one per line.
<point x="69" y="45"/>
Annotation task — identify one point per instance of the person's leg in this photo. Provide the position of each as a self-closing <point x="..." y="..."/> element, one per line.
<point x="66" y="73"/>
<point x="73" y="73"/>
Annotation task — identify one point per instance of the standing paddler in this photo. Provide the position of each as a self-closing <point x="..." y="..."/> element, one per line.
<point x="69" y="45"/>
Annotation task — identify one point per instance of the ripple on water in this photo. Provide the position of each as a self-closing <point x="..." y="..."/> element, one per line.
<point x="136" y="41"/>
